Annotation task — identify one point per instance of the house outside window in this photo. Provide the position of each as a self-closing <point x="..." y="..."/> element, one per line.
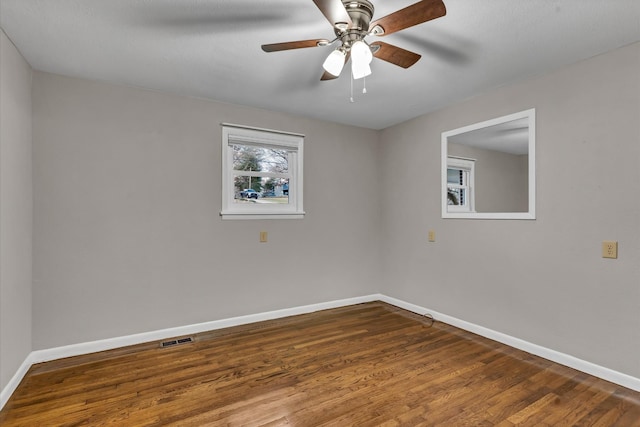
<point x="460" y="184"/>
<point x="261" y="173"/>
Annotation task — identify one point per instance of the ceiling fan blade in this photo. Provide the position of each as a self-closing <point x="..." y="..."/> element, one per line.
<point x="394" y="54"/>
<point x="334" y="11"/>
<point x="275" y="47"/>
<point x="329" y="76"/>
<point x="415" y="14"/>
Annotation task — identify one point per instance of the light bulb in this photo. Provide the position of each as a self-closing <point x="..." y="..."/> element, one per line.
<point x="334" y="62"/>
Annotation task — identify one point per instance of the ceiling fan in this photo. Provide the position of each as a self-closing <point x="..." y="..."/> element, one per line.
<point x="351" y="21"/>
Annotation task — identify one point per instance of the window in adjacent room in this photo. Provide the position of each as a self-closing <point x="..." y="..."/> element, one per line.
<point x="460" y="177"/>
<point x="261" y="173"/>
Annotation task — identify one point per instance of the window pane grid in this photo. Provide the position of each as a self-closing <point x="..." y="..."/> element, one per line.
<point x="261" y="174"/>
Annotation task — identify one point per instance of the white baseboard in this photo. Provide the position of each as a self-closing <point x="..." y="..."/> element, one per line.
<point x="14" y="382"/>
<point x="616" y="377"/>
<point x="39" y="356"/>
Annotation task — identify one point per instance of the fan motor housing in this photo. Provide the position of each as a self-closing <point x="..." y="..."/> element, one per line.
<point x="360" y="12"/>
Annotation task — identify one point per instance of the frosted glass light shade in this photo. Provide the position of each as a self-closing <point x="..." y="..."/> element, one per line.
<point x="361" y="57"/>
<point x="360" y="70"/>
<point x="334" y="63"/>
<point x="361" y="52"/>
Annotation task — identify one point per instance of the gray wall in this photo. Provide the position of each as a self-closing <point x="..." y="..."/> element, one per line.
<point x="128" y="237"/>
<point x="15" y="210"/>
<point x="127" y="189"/>
<point x="543" y="281"/>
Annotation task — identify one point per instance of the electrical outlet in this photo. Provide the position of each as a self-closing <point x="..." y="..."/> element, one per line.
<point x="610" y="249"/>
<point x="432" y="236"/>
<point x="263" y="237"/>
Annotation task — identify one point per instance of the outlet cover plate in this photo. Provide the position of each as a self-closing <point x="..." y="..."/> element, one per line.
<point x="610" y="249"/>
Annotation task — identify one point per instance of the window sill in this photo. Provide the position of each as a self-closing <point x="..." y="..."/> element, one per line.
<point x="253" y="215"/>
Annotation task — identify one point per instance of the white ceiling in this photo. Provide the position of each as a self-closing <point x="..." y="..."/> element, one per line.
<point x="211" y="49"/>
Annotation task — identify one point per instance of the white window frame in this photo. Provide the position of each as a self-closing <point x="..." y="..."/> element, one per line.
<point x="293" y="143"/>
<point x="468" y="166"/>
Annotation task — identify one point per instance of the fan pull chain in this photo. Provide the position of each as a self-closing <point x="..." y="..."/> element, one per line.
<point x="364" y="87"/>
<point x="351" y="99"/>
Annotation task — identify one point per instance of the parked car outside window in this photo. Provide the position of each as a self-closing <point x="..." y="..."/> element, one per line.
<point x="249" y="193"/>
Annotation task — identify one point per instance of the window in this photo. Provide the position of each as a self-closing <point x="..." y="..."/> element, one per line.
<point x="261" y="173"/>
<point x="460" y="177"/>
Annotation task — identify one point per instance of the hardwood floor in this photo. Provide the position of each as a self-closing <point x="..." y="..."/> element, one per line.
<point x="366" y="365"/>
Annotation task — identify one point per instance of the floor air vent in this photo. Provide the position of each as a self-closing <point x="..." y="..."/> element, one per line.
<point x="173" y="343"/>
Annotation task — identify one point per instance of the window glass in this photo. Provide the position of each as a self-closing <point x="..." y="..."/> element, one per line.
<point x="247" y="157"/>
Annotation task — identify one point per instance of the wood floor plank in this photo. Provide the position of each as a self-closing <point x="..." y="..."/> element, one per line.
<point x="367" y="365"/>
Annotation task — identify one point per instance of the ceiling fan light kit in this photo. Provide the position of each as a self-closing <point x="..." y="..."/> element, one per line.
<point x="335" y="62"/>
<point x="351" y="22"/>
